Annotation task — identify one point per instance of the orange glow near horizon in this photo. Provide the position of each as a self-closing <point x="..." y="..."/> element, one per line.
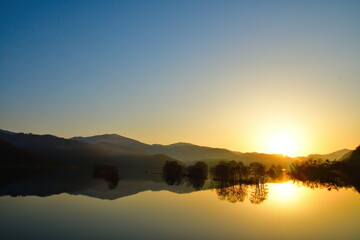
<point x="283" y="144"/>
<point x="286" y="192"/>
<point x="282" y="139"/>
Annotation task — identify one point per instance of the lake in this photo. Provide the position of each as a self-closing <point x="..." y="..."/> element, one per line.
<point x="73" y="204"/>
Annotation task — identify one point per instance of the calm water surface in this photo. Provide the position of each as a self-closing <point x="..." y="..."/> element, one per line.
<point x="291" y="211"/>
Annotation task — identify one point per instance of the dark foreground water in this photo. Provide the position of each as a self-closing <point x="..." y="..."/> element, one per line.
<point x="142" y="206"/>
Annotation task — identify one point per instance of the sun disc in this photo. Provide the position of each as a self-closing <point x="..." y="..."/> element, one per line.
<point x="282" y="144"/>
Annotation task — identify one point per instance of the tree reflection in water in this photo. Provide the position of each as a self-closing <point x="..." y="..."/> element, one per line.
<point x="175" y="173"/>
<point x="259" y="194"/>
<point x="196" y="175"/>
<point x="329" y="174"/>
<point x="234" y="193"/>
<point x="231" y="180"/>
<point x="108" y="173"/>
<point x="234" y="181"/>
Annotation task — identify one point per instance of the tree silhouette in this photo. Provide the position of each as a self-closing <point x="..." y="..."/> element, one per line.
<point x="274" y="172"/>
<point x="257" y="172"/>
<point x="231" y="181"/>
<point x="329" y="174"/>
<point x="196" y="175"/>
<point x="108" y="173"/>
<point x="173" y="172"/>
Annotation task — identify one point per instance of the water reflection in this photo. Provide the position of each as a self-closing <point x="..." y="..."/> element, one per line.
<point x="234" y="193"/>
<point x="286" y="193"/>
<point x="175" y="173"/>
<point x="232" y="181"/>
<point x="108" y="173"/>
<point x="330" y="175"/>
<point x="196" y="175"/>
<point x="280" y="202"/>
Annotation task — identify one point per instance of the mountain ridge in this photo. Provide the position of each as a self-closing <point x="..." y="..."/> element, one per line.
<point x="114" y="146"/>
<point x="337" y="155"/>
<point x="166" y="148"/>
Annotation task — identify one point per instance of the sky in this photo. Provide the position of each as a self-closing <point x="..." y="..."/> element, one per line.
<point x="244" y="75"/>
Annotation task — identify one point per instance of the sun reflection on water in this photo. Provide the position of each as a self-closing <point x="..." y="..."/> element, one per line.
<point x="285" y="193"/>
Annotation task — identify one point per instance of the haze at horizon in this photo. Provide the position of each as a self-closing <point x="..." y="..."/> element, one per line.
<point x="222" y="74"/>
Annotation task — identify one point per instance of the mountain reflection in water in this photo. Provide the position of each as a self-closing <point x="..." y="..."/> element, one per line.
<point x="232" y="181"/>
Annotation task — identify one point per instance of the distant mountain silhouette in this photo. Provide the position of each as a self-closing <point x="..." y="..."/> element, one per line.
<point x="6" y="132"/>
<point x="189" y="152"/>
<point x="346" y="156"/>
<point x="43" y="165"/>
<point x="182" y="151"/>
<point x="186" y="152"/>
<point x="116" y="149"/>
<point x="354" y="158"/>
<point x="15" y="156"/>
<point x="338" y="155"/>
<point x="113" y="139"/>
<point x="70" y="152"/>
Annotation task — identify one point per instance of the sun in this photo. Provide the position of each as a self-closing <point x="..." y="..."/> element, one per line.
<point x="281" y="137"/>
<point x="283" y="143"/>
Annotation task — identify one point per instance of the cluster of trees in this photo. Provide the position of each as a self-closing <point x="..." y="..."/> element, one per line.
<point x="234" y="181"/>
<point x="238" y="172"/>
<point x="108" y="173"/>
<point x="329" y="174"/>
<point x="175" y="173"/>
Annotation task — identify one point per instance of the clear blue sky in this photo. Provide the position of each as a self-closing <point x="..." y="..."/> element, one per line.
<point x="217" y="73"/>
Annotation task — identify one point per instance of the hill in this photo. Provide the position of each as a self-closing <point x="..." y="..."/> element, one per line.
<point x="186" y="152"/>
<point x="354" y="158"/>
<point x="338" y="155"/>
<point x="116" y="149"/>
<point x="15" y="156"/>
<point x="75" y="153"/>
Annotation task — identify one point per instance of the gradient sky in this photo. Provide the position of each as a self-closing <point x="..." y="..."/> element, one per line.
<point x="230" y="74"/>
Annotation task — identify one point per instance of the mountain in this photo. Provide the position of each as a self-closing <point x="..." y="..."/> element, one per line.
<point x="182" y="151"/>
<point x="185" y="152"/>
<point x="6" y="132"/>
<point x="15" y="156"/>
<point x="338" y="155"/>
<point x="346" y="156"/>
<point x="113" y="139"/>
<point x="75" y="153"/>
<point x="189" y="152"/>
<point x="116" y="149"/>
<point x="354" y="158"/>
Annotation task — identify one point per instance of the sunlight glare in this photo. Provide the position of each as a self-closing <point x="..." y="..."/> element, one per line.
<point x="283" y="144"/>
<point x="284" y="192"/>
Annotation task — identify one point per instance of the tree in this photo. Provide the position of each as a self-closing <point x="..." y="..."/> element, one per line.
<point x="173" y="172"/>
